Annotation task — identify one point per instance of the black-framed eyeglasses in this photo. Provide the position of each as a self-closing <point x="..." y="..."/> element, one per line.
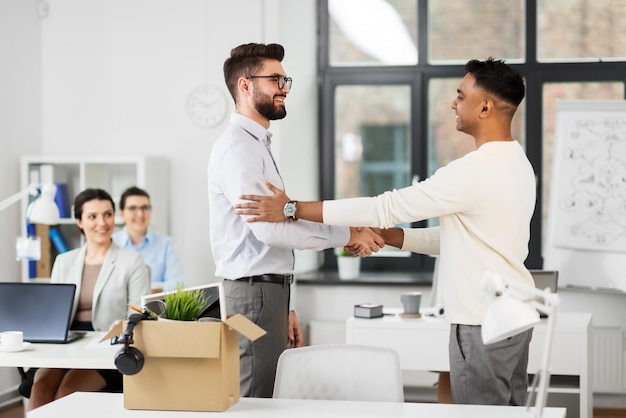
<point x="143" y="208"/>
<point x="280" y="80"/>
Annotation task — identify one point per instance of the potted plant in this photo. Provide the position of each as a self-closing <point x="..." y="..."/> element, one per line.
<point x="185" y="305"/>
<point x="348" y="265"/>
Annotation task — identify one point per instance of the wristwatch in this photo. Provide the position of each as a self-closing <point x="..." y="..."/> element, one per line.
<point x="290" y="210"/>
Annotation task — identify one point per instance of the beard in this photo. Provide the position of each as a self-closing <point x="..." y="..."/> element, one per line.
<point x="266" y="108"/>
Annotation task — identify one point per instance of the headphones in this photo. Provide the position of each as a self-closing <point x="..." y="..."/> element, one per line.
<point x="129" y="360"/>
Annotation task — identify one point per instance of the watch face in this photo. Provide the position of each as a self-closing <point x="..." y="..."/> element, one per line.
<point x="206" y="106"/>
<point x="290" y="209"/>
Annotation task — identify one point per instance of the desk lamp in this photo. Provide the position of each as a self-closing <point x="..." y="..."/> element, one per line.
<point x="42" y="210"/>
<point x="513" y="309"/>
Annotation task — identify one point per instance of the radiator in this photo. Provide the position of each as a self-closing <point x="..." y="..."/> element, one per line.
<point x="607" y="365"/>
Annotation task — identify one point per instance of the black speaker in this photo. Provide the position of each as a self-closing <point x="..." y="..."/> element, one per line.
<point x="129" y="360"/>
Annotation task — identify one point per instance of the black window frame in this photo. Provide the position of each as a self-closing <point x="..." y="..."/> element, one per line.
<point x="536" y="74"/>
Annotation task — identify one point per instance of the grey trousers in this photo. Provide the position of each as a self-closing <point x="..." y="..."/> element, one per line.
<point x="267" y="305"/>
<point x="494" y="374"/>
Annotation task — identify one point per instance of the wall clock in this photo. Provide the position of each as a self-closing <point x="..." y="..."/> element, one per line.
<point x="206" y="106"/>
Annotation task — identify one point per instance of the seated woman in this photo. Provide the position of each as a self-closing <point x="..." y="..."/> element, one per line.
<point x="158" y="251"/>
<point x="107" y="279"/>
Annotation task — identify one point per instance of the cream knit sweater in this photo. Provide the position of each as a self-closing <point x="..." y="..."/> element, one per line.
<point x="484" y="202"/>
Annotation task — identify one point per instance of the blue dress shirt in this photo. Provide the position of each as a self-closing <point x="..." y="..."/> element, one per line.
<point x="159" y="254"/>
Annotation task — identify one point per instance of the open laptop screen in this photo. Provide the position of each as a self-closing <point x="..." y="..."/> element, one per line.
<point x="42" y="311"/>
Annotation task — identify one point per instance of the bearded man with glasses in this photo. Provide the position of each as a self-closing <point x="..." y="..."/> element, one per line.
<point x="256" y="260"/>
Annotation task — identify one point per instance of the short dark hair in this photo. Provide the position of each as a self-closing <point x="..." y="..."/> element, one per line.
<point x="246" y="59"/>
<point x="88" y="195"/>
<point x="132" y="191"/>
<point x="499" y="79"/>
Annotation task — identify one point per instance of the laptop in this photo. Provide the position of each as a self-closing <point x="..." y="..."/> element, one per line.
<point x="42" y="311"/>
<point x="214" y="293"/>
<point x="544" y="279"/>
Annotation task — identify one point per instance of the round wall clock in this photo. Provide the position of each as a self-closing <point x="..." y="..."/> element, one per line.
<point x="207" y="106"/>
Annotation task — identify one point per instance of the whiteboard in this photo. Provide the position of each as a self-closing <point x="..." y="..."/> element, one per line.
<point x="586" y="224"/>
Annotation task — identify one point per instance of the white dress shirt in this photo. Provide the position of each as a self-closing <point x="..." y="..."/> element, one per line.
<point x="240" y="162"/>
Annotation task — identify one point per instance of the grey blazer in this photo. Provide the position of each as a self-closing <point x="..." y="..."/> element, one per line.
<point x="123" y="279"/>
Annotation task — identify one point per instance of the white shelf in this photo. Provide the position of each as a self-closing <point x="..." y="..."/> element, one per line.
<point x="111" y="173"/>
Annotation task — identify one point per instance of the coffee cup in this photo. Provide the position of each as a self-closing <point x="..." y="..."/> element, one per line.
<point x="11" y="339"/>
<point x="411" y="302"/>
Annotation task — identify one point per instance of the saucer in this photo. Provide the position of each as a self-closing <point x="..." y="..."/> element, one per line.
<point x="24" y="346"/>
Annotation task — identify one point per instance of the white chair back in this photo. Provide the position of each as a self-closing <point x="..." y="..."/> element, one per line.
<point x="339" y="372"/>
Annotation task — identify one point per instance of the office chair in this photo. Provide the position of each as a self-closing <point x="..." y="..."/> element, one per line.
<point x="339" y="372"/>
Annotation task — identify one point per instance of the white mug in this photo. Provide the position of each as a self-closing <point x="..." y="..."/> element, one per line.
<point x="11" y="339"/>
<point x="411" y="302"/>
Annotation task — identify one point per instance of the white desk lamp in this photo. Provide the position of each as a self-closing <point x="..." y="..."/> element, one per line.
<point x="43" y="210"/>
<point x="513" y="309"/>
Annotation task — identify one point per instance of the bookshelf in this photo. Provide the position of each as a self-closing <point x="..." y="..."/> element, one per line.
<point x="111" y="173"/>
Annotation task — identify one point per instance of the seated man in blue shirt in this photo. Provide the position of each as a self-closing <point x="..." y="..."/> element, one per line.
<point x="158" y="251"/>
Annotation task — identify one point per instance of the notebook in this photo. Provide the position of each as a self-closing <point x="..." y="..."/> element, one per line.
<point x="214" y="293"/>
<point x="42" y="311"/>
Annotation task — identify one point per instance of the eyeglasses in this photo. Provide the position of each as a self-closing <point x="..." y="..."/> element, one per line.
<point x="280" y="80"/>
<point x="143" y="208"/>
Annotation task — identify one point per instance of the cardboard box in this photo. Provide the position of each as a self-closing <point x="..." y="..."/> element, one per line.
<point x="189" y="365"/>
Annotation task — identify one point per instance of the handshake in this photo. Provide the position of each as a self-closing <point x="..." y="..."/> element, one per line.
<point x="363" y="242"/>
<point x="278" y="207"/>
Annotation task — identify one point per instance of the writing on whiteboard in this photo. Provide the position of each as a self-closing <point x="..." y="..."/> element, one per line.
<point x="591" y="202"/>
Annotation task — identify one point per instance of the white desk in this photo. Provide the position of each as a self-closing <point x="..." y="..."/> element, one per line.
<point x="107" y="405"/>
<point x="84" y="353"/>
<point x="422" y="344"/>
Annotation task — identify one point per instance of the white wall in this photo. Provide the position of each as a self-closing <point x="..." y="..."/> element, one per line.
<point x="117" y="74"/>
<point x="20" y="125"/>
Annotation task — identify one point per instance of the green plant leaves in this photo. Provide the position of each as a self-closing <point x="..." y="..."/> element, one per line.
<point x="185" y="305"/>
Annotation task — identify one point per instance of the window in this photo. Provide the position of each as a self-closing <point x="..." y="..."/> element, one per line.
<point x="372" y="125"/>
<point x="390" y="69"/>
<point x="581" y="30"/>
<point x="372" y="32"/>
<point x="461" y="29"/>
